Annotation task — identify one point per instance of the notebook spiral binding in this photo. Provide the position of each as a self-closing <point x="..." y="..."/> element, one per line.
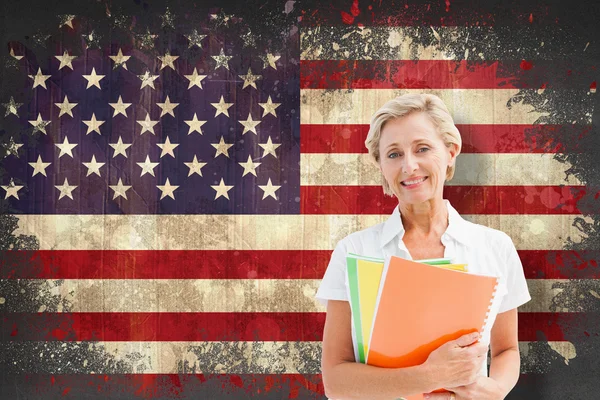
<point x="486" y="322"/>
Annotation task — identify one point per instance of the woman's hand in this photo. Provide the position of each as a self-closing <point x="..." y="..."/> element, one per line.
<point x="458" y="362"/>
<point x="483" y="388"/>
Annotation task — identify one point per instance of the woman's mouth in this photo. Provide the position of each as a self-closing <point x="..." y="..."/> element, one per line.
<point x="413" y="183"/>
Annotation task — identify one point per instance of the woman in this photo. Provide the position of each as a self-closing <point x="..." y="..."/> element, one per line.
<point x="414" y="142"/>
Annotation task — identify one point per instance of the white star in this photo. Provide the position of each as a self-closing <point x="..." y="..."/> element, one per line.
<point x="195" y="79"/>
<point x="147" y="166"/>
<point x="120" y="60"/>
<point x="93" y="79"/>
<point x="148" y="80"/>
<point x="12" y="147"/>
<point x="195" y="166"/>
<point x="249" y="167"/>
<point x="65" y="147"/>
<point x="11" y="107"/>
<point x="222" y="60"/>
<point x="269" y="148"/>
<point x="66" y="19"/>
<point x="93" y="125"/>
<point x="12" y="189"/>
<point x="120" y="147"/>
<point x="250" y="79"/>
<point x="120" y="107"/>
<point x="195" y="39"/>
<point x="249" y="125"/>
<point x="93" y="166"/>
<point x="167" y="61"/>
<point x="195" y="125"/>
<point x="39" y="167"/>
<point x="167" y="148"/>
<point x="269" y="189"/>
<point x="39" y="125"/>
<point x="12" y="53"/>
<point x="120" y="189"/>
<point x="168" y="19"/>
<point x="65" y="190"/>
<point x="39" y="79"/>
<point x="167" y="190"/>
<point x="269" y="61"/>
<point x="65" y="60"/>
<point x="222" y="189"/>
<point x="167" y="107"/>
<point x="147" y="125"/>
<point x="222" y="107"/>
<point x="269" y="107"/>
<point x="65" y="107"/>
<point x="222" y="147"/>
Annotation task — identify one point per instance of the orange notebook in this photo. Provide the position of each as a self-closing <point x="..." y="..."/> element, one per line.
<point x="420" y="307"/>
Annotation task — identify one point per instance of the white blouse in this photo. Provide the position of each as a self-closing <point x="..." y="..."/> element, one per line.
<point x="485" y="250"/>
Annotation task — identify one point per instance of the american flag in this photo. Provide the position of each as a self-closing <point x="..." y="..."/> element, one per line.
<point x="174" y="183"/>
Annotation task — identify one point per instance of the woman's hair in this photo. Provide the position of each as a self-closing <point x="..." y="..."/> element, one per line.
<point x="407" y="104"/>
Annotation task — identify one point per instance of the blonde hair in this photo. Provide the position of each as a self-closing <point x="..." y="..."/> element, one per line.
<point x="407" y="104"/>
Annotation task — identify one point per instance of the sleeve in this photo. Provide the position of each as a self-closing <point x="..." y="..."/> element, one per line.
<point x="333" y="285"/>
<point x="516" y="284"/>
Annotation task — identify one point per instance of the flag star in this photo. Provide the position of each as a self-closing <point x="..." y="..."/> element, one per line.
<point x="39" y="125"/>
<point x="222" y="148"/>
<point x="168" y="19"/>
<point x="195" y="166"/>
<point x="221" y="18"/>
<point x="222" y="107"/>
<point x="12" y="147"/>
<point x="147" y="125"/>
<point x="120" y="147"/>
<point x="167" y="107"/>
<point x="39" y="167"/>
<point x="120" y="189"/>
<point x="120" y="107"/>
<point x="249" y="167"/>
<point x="146" y="40"/>
<point x="250" y="79"/>
<point x="40" y="38"/>
<point x="93" y="79"/>
<point x="65" y="190"/>
<point x="249" y="125"/>
<point x="93" y="125"/>
<point x="65" y="60"/>
<point x="269" y="148"/>
<point x="147" y="166"/>
<point x="195" y="125"/>
<point x="195" y="39"/>
<point x="269" y="107"/>
<point x="66" y="147"/>
<point x="39" y="79"/>
<point x="120" y="60"/>
<point x="222" y="189"/>
<point x="167" y="148"/>
<point x="11" y="107"/>
<point x="167" y="190"/>
<point x="222" y="60"/>
<point x="12" y="53"/>
<point x="269" y="60"/>
<point x="92" y="39"/>
<point x="65" y="107"/>
<point x="66" y="19"/>
<point x="269" y="189"/>
<point x="12" y="189"/>
<point x="195" y="79"/>
<point x="167" y="61"/>
<point x="148" y="80"/>
<point x="93" y="166"/>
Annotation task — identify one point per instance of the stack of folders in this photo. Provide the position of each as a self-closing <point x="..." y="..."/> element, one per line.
<point x="403" y="310"/>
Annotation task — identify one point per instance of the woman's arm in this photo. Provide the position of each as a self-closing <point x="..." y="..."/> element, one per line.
<point x="504" y="346"/>
<point x="345" y="379"/>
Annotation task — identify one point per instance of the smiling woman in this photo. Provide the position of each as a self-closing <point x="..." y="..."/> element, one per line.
<point x="414" y="143"/>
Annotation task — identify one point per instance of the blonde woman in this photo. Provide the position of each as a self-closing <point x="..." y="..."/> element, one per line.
<point x="415" y="144"/>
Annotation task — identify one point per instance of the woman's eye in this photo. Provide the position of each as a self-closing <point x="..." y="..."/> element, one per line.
<point x="392" y="155"/>
<point x="423" y="148"/>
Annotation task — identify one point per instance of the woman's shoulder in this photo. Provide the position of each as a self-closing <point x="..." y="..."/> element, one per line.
<point x="363" y="241"/>
<point x="483" y="236"/>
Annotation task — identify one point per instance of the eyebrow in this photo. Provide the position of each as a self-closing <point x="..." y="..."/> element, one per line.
<point x="414" y="141"/>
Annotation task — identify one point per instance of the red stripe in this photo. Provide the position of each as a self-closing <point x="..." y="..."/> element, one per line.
<point x="476" y="138"/>
<point x="200" y="264"/>
<point x="494" y="200"/>
<point x="407" y="74"/>
<point x="149" y="327"/>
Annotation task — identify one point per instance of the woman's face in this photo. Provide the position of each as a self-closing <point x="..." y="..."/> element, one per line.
<point x="414" y="158"/>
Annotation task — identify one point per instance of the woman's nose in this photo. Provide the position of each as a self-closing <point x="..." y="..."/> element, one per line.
<point x="409" y="164"/>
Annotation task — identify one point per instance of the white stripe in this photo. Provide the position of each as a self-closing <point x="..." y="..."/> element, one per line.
<point x="233" y="295"/>
<point x="259" y="232"/>
<point x="351" y="169"/>
<point x="467" y="106"/>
